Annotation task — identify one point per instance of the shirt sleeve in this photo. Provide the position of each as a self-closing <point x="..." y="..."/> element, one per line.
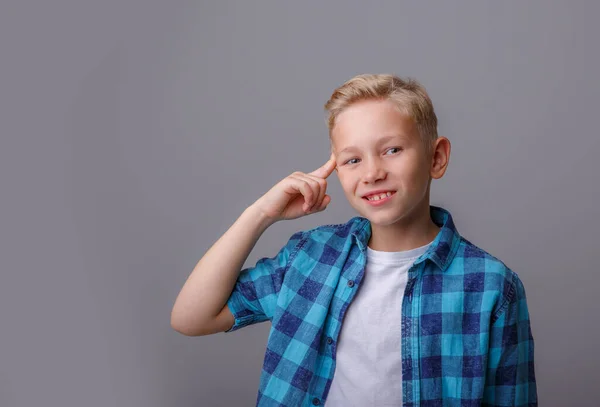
<point x="254" y="295"/>
<point x="510" y="376"/>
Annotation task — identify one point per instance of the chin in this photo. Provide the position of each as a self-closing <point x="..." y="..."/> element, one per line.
<point x="382" y="218"/>
<point x="386" y="217"/>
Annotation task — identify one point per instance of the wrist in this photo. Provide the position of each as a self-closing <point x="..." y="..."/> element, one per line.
<point x="258" y="217"/>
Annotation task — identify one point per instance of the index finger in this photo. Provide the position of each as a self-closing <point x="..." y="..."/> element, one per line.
<point x="325" y="170"/>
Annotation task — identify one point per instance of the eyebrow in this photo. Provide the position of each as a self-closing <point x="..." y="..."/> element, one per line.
<point x="381" y="141"/>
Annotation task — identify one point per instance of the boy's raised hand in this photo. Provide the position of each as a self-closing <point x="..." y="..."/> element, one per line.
<point x="298" y="194"/>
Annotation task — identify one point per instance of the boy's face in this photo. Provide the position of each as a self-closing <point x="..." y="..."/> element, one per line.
<point x="378" y="148"/>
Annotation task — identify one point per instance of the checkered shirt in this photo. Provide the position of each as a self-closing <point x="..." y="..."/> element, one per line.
<point x="466" y="335"/>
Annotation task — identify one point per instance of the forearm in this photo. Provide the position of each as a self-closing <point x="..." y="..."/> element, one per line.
<point x="208" y="287"/>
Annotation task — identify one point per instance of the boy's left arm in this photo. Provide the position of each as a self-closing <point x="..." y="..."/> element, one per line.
<point x="510" y="376"/>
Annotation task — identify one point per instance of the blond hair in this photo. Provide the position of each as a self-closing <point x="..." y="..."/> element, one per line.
<point x="409" y="96"/>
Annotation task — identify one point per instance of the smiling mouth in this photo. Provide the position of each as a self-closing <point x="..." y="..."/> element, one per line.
<point x="380" y="197"/>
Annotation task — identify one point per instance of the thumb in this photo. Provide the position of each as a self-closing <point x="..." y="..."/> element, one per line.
<point x="326" y="169"/>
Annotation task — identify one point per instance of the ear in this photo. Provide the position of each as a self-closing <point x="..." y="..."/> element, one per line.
<point x="440" y="157"/>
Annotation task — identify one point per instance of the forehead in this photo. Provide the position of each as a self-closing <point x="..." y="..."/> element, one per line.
<point x="373" y="121"/>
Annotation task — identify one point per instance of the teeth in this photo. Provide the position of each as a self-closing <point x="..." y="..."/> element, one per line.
<point x="380" y="196"/>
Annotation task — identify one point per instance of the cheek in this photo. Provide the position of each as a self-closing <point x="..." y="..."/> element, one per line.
<point x="413" y="168"/>
<point x="346" y="182"/>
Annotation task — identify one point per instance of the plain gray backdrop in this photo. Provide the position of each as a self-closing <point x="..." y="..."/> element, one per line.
<point x="134" y="133"/>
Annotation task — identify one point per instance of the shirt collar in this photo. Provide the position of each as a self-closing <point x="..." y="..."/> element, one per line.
<point x="441" y="251"/>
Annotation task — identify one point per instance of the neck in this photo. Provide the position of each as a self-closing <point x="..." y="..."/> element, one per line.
<point x="411" y="232"/>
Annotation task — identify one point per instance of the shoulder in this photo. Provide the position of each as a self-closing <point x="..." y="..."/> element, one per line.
<point x="490" y="273"/>
<point x="332" y="236"/>
<point x="335" y="231"/>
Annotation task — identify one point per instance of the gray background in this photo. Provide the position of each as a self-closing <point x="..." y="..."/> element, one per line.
<point x="134" y="133"/>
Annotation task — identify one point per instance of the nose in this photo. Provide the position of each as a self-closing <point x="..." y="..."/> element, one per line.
<point x="374" y="171"/>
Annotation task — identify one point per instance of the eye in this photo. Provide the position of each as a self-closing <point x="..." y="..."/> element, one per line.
<point x="352" y="159"/>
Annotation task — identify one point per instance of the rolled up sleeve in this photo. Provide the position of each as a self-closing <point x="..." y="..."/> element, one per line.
<point x="254" y="295"/>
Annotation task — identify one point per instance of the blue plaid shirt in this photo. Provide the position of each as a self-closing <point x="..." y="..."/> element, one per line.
<point x="466" y="336"/>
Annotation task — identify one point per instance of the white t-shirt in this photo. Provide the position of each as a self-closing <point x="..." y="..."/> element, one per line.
<point x="368" y="368"/>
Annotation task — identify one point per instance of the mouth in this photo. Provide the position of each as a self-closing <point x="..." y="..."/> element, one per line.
<point x="380" y="199"/>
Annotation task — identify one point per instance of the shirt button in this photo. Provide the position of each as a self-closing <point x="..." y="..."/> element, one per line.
<point x="329" y="340"/>
<point x="316" y="402"/>
<point x="351" y="283"/>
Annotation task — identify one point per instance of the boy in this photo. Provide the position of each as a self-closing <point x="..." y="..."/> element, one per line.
<point x="393" y="307"/>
